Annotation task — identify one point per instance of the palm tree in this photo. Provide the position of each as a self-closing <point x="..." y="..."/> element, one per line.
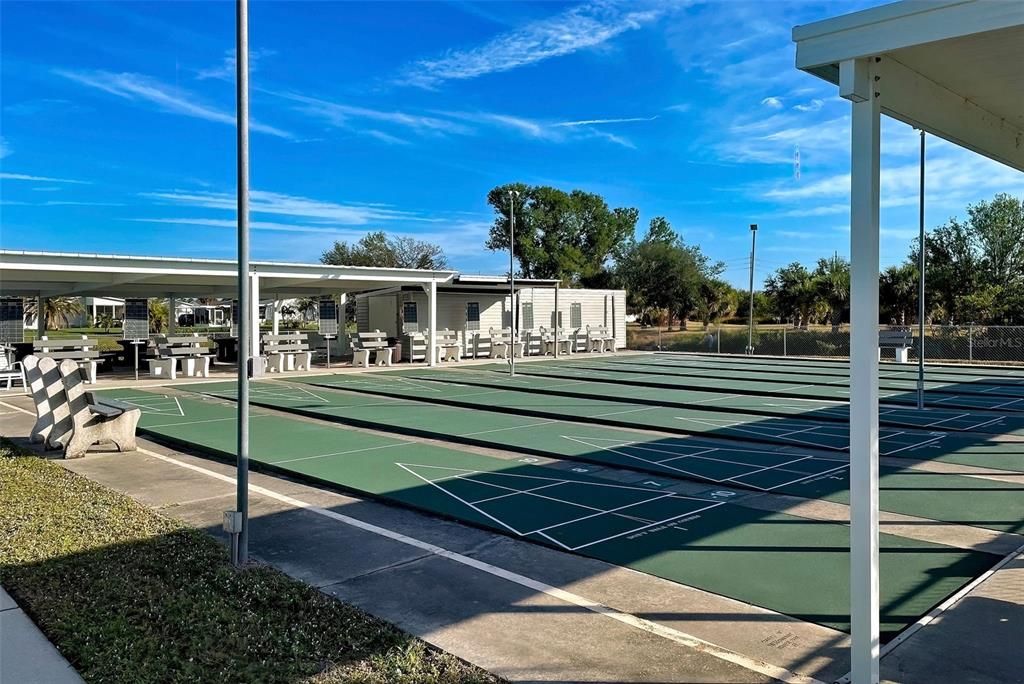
<point x="832" y="281"/>
<point x="714" y="300"/>
<point x="57" y="311"/>
<point x="157" y="315"/>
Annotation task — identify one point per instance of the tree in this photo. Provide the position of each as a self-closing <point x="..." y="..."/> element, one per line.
<point x="377" y="249"/>
<point x="158" y="315"/>
<point x="57" y="311"/>
<point x="897" y="292"/>
<point x="661" y="272"/>
<point x="793" y="293"/>
<point x="716" y="299"/>
<point x="832" y="282"/>
<point x="573" y="237"/>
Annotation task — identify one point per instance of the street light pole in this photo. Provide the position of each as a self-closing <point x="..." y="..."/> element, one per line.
<point x="920" y="292"/>
<point x="245" y="316"/>
<point x="750" y="325"/>
<point x="512" y="194"/>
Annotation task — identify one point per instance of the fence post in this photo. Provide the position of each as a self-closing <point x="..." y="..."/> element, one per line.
<point x="718" y="338"/>
<point x="970" y="342"/>
<point x="659" y="337"/>
<point x="784" y="341"/>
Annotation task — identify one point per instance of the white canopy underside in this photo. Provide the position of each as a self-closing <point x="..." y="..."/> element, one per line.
<point x="954" y="68"/>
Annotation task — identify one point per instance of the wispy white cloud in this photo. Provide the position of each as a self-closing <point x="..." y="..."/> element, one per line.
<point x="601" y="122"/>
<point x="40" y="179"/>
<point x="225" y="71"/>
<point x="280" y="204"/>
<point x="139" y="88"/>
<point x="811" y="106"/>
<point x="386" y="137"/>
<point x="681" y="107"/>
<point x="579" y="28"/>
<point x="5" y="150"/>
<point x="772" y="102"/>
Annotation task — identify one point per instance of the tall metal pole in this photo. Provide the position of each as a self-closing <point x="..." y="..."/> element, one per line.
<point x="512" y="194"/>
<point x="750" y="325"/>
<point x="245" y="310"/>
<point x="920" y="292"/>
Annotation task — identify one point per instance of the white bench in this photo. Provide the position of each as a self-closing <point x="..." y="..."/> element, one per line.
<point x="287" y="351"/>
<point x="599" y="339"/>
<point x="447" y="345"/>
<point x="189" y="349"/>
<point x="83" y="352"/>
<point x="366" y="343"/>
<point x="502" y="344"/>
<point x="552" y="339"/>
<point x="11" y="370"/>
<point x="899" y="340"/>
<point x="70" y="419"/>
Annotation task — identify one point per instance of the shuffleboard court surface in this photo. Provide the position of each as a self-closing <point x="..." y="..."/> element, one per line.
<point x="947" y="390"/>
<point x="965" y="449"/>
<point x="992" y="373"/>
<point x="835" y="411"/>
<point x="946" y="497"/>
<point x="742" y="382"/>
<point x="781" y="562"/>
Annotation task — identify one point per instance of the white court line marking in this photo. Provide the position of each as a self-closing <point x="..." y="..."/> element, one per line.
<point x="638" y="458"/>
<point x="1009" y="403"/>
<point x="513" y="493"/>
<point x="938" y="610"/>
<point x="619" y="413"/>
<point x="511" y="427"/>
<point x="808" y="477"/>
<point x="668" y="633"/>
<point x="771" y="467"/>
<point x="653" y="524"/>
<point x="914" y="446"/>
<point x="342" y="453"/>
<point x="599" y="512"/>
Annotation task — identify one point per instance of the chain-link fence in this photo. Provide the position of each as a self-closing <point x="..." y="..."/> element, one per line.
<point x="982" y="344"/>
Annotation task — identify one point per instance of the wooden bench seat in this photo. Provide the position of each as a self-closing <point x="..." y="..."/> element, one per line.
<point x="367" y="344"/>
<point x="599" y="339"/>
<point x="188" y="349"/>
<point x="899" y="340"/>
<point x="84" y="351"/>
<point x="287" y="351"/>
<point x="502" y="344"/>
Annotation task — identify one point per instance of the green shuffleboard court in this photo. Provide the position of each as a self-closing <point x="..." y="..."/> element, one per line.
<point x="782" y="562"/>
<point x="739" y="380"/>
<point x="961" y="448"/>
<point x="580" y="383"/>
<point x="936" y="496"/>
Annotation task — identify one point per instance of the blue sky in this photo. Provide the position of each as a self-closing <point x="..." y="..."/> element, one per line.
<point x="117" y="126"/>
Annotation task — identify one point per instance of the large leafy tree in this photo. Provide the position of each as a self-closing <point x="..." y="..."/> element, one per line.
<point x="661" y="272"/>
<point x="379" y="249"/>
<point x="898" y="292"/>
<point x="569" y="236"/>
<point x="716" y="299"/>
<point x="794" y="293"/>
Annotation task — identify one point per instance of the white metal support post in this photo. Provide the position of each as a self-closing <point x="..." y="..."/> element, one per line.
<point x="557" y="320"/>
<point x="860" y="83"/>
<point x="172" y="318"/>
<point x="276" y="304"/>
<point x="432" y="317"/>
<point x="40" y="317"/>
<point x="254" y="322"/>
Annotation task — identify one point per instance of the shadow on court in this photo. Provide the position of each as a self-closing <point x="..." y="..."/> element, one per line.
<point x="700" y="538"/>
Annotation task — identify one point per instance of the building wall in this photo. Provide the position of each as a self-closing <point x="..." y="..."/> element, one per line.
<point x="597" y="307"/>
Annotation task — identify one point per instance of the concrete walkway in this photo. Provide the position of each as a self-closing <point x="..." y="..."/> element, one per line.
<point x="26" y="655"/>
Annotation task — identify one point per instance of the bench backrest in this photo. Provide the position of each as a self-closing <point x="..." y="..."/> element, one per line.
<point x="502" y="336"/>
<point x="447" y="337"/>
<point x="285" y="343"/>
<point x="895" y="338"/>
<point x="370" y="340"/>
<point x="180" y="345"/>
<point x="597" y="331"/>
<point x="76" y="350"/>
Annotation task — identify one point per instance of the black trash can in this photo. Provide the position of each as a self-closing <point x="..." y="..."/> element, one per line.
<point x="396" y="352"/>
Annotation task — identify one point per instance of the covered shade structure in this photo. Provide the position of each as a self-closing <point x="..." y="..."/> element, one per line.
<point x="54" y="274"/>
<point x="952" y="68"/>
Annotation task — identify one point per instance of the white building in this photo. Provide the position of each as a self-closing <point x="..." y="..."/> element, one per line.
<point x="472" y="305"/>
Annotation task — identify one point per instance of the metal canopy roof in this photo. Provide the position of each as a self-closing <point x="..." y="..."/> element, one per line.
<point x="954" y="68"/>
<point x="51" y="274"/>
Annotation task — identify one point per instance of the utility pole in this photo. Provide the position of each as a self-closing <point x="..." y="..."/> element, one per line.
<point x="750" y="325"/>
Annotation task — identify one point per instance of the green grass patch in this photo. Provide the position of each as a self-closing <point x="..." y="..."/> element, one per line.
<point x="129" y="595"/>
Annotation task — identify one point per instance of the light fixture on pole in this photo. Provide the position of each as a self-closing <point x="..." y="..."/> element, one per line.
<point x="750" y="325"/>
<point x="512" y="194"/>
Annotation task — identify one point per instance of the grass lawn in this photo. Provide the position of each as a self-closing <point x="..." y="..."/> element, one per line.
<point x="129" y="595"/>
